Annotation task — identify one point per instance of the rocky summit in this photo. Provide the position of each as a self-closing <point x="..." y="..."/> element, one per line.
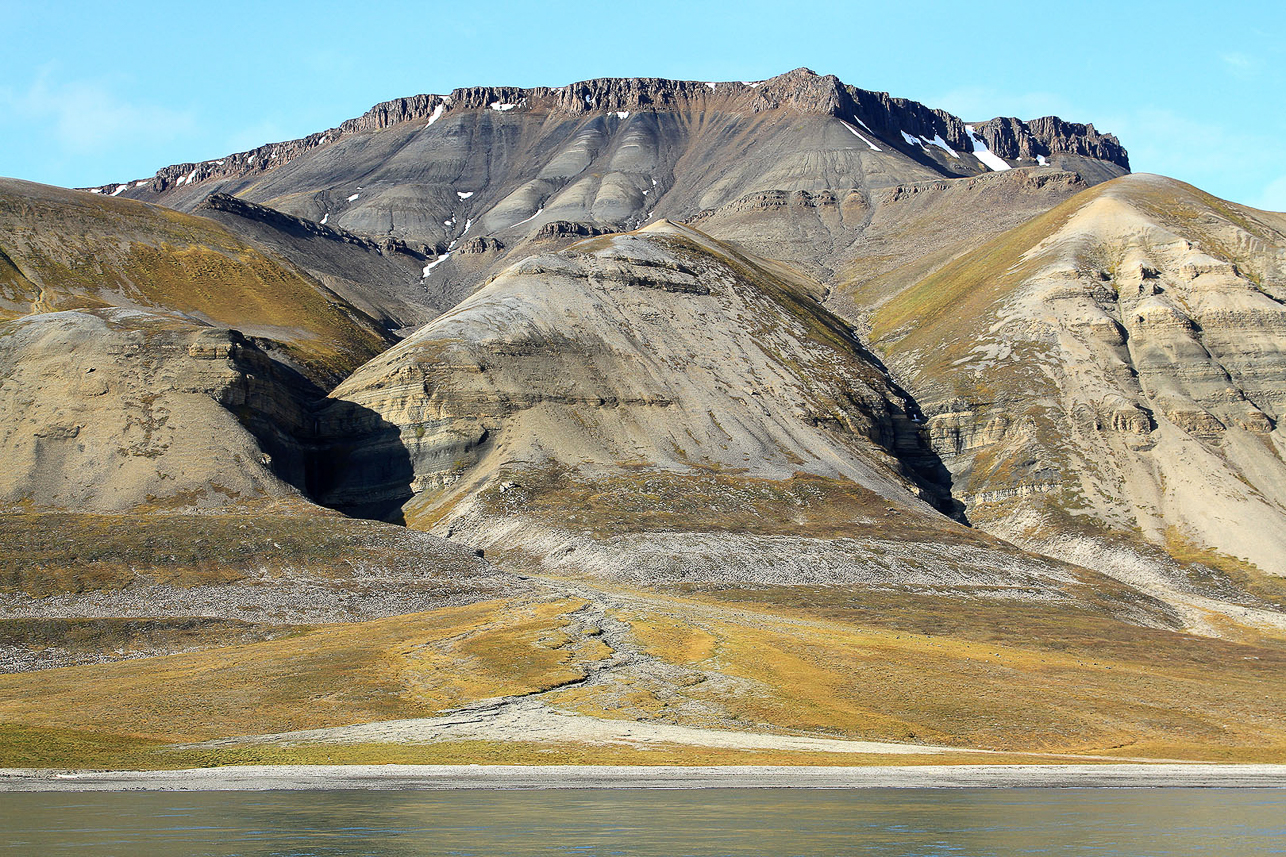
<point x="783" y="407"/>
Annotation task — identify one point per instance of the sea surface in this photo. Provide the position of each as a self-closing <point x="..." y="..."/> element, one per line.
<point x="649" y="823"/>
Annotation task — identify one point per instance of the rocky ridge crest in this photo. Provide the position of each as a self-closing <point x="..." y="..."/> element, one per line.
<point x="801" y="89"/>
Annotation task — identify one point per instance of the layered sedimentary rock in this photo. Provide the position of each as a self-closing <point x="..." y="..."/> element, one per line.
<point x="111" y="409"/>
<point x="1112" y="373"/>
<point x="660" y="347"/>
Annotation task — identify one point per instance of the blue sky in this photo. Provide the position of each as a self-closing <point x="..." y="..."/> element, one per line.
<point x="93" y="92"/>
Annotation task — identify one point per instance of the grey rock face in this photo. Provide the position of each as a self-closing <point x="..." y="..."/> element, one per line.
<point x="662" y="348"/>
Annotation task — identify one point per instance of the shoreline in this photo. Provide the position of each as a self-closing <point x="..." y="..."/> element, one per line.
<point x="533" y="777"/>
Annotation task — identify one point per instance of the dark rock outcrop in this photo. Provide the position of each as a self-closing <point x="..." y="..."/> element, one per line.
<point x="1013" y="139"/>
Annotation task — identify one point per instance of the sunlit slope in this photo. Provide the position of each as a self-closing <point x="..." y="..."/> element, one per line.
<point x="62" y="249"/>
<point x="657" y="350"/>
<point x="1105" y="382"/>
<point x="830" y="662"/>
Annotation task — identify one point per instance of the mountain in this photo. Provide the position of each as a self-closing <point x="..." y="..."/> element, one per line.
<point x="471" y="178"/>
<point x="1105" y="383"/>
<point x="783" y="408"/>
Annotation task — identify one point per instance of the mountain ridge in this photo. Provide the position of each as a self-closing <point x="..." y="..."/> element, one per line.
<point x="800" y="89"/>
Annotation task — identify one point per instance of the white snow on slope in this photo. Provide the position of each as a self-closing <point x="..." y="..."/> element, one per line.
<point x="325" y="217"/>
<point x="622" y="114"/>
<point x="941" y="144"/>
<point x="874" y="147"/>
<point x="464" y="194"/>
<point x="428" y="269"/>
<point x="143" y="182"/>
<point x="982" y="153"/>
<point x="496" y="105"/>
<point x="119" y="188"/>
<point x="539" y="212"/>
<point x="914" y="141"/>
<point x="1040" y="159"/>
<point x="437" y="114"/>
<point x="712" y="85"/>
<point x="353" y="197"/>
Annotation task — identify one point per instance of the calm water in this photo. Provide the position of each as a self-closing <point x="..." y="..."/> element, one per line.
<point x="889" y="823"/>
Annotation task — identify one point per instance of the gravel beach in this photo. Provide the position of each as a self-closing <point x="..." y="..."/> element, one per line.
<point x="429" y="777"/>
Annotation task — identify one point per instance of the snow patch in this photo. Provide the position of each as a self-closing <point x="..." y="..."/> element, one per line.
<point x="496" y="105"/>
<point x="914" y="141"/>
<point x="467" y="224"/>
<point x="464" y="194"/>
<point x="450" y="222"/>
<point x="143" y="182"/>
<point x="437" y="114"/>
<point x="119" y="188"/>
<point x="941" y="144"/>
<point x="354" y="197"/>
<point x="325" y="217"/>
<point x="874" y="148"/>
<point x="982" y="153"/>
<point x="96" y="190"/>
<point x="428" y="269"/>
<point x="712" y="85"/>
<point x="622" y="114"/>
<point x="539" y="212"/>
<point x="1040" y="159"/>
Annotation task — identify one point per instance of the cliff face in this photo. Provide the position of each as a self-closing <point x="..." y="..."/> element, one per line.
<point x="1112" y="373"/>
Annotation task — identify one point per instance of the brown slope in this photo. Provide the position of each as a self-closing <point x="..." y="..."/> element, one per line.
<point x="659" y="406"/>
<point x="72" y="249"/>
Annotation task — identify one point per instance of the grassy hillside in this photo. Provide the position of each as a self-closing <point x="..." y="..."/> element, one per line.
<point x="62" y="249"/>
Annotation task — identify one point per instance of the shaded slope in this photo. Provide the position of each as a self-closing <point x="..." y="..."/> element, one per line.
<point x="110" y="409"/>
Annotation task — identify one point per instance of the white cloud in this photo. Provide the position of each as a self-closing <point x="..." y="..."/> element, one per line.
<point x="85" y="116"/>
<point x="1241" y="65"/>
